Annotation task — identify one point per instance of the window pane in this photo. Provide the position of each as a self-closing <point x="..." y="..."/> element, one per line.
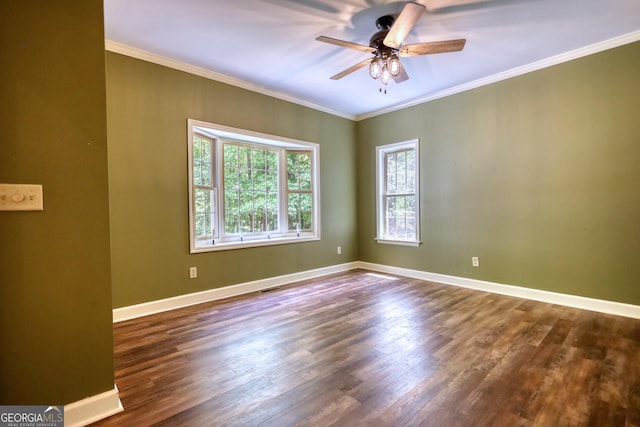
<point x="201" y="161"/>
<point x="231" y="224"/>
<point x="260" y="222"/>
<point x="390" y="206"/>
<point x="245" y="182"/>
<point x="258" y="159"/>
<point x="230" y="156"/>
<point x="272" y="202"/>
<point x="251" y="188"/>
<point x="411" y="171"/>
<point x="272" y="218"/>
<point x="401" y="168"/>
<point x="203" y="212"/>
<point x="231" y="179"/>
<point x="271" y="161"/>
<point x="304" y="171"/>
<point x="246" y="201"/>
<point x="246" y="222"/>
<point x="304" y="202"/>
<point x="391" y="227"/>
<point x="305" y="182"/>
<point x="196" y="173"/>
<point x="244" y="157"/>
<point x="205" y="174"/>
<point x="401" y="230"/>
<point x="293" y="202"/>
<point x="293" y="221"/>
<point x="300" y="211"/>
<point x="292" y="162"/>
<point x="231" y="203"/>
<point x="304" y="162"/>
<point x="292" y="180"/>
<point x="206" y="150"/>
<point x="410" y="202"/>
<point x="400" y="217"/>
<point x="300" y="186"/>
<point x="271" y="180"/>
<point x="259" y="202"/>
<point x="299" y="171"/>
<point x="259" y="181"/>
<point x="305" y="219"/>
<point x="411" y="227"/>
<point x="391" y="173"/>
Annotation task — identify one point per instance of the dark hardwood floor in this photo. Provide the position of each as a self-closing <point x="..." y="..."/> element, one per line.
<point x="360" y="348"/>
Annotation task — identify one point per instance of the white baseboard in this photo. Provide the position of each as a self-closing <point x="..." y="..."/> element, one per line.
<point x="152" y="307"/>
<point x="92" y="409"/>
<point x="602" y="306"/>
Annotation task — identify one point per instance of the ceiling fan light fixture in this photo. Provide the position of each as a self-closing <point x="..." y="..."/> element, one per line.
<point x="375" y="68"/>
<point x="394" y="65"/>
<point x="385" y="76"/>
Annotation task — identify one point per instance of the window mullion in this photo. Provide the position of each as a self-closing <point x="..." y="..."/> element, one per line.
<point x="216" y="180"/>
<point x="283" y="197"/>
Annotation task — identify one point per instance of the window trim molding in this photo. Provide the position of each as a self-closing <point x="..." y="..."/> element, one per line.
<point x="221" y="132"/>
<point x="398" y="242"/>
<point x="380" y="184"/>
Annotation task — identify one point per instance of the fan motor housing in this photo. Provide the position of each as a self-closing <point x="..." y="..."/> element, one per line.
<point x="376" y="40"/>
<point x="384" y="24"/>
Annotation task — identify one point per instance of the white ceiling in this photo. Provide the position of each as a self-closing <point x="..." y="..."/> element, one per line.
<point x="270" y="46"/>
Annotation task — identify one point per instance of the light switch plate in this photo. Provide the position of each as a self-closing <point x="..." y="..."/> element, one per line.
<point x="21" y="197"/>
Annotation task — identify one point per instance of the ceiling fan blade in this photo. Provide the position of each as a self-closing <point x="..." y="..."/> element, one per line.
<point x="402" y="76"/>
<point x="342" y="43"/>
<point x="432" y="47"/>
<point x="404" y="23"/>
<point x="351" y="69"/>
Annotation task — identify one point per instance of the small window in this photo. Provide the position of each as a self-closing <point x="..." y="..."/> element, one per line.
<point x="250" y="189"/>
<point x="398" y="218"/>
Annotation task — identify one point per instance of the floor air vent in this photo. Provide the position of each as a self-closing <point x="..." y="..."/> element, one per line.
<point x="263" y="291"/>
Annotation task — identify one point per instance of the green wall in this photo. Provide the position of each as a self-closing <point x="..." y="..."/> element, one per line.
<point x="536" y="175"/>
<point x="55" y="291"/>
<point x="147" y="110"/>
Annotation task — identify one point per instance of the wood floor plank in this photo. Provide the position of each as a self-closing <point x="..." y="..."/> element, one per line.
<point x="364" y="349"/>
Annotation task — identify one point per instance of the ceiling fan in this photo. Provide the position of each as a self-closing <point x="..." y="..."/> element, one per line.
<point x="387" y="48"/>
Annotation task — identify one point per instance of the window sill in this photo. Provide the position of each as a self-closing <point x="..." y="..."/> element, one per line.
<point x="252" y="244"/>
<point x="399" y="242"/>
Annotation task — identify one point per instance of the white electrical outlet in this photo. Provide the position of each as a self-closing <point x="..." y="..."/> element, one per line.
<point x="339" y="250"/>
<point x="193" y="272"/>
<point x="475" y="261"/>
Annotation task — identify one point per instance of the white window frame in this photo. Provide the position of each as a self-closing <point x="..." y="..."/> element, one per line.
<point x="381" y="192"/>
<point x="221" y="135"/>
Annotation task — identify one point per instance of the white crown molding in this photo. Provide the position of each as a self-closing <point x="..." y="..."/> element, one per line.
<point x="158" y="306"/>
<point x="514" y="72"/>
<point x="92" y="409"/>
<point x="601" y="306"/>
<point x="143" y="55"/>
